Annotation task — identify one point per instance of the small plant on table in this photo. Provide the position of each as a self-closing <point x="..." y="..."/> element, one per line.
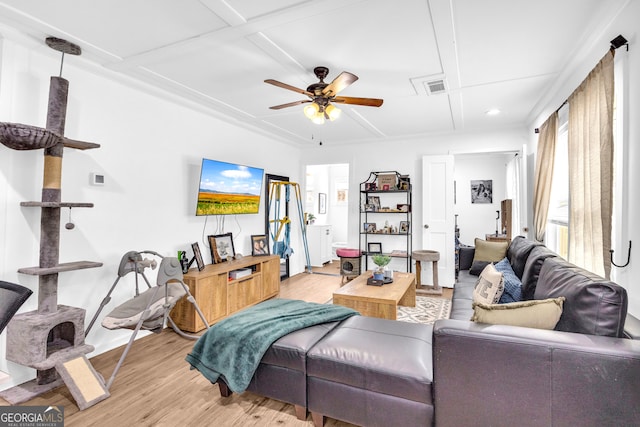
<point x="381" y="261"/>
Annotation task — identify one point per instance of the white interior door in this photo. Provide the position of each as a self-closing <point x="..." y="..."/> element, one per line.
<point x="438" y="219"/>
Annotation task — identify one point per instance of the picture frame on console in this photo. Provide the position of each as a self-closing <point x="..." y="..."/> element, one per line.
<point x="222" y="247"/>
<point x="198" y="255"/>
<point x="259" y="245"/>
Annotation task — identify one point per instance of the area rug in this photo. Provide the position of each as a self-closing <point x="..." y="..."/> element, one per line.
<point x="427" y="310"/>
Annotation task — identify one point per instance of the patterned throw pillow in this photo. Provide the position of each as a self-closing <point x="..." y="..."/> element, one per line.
<point x="512" y="285"/>
<point x="489" y="286"/>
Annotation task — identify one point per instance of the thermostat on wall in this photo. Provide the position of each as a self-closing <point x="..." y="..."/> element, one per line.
<point x="97" y="179"/>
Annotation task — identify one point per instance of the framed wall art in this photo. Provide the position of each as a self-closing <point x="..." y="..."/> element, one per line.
<point x="322" y="203"/>
<point x="482" y="191"/>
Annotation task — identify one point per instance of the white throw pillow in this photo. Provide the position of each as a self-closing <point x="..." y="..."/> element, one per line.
<point x="489" y="287"/>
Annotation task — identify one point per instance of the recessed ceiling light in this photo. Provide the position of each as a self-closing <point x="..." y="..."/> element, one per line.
<point x="493" y="112"/>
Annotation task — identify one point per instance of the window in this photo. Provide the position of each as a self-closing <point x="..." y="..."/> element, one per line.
<point x="557" y="234"/>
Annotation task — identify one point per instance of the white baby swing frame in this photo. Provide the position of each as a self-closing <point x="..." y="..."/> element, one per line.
<point x="169" y="274"/>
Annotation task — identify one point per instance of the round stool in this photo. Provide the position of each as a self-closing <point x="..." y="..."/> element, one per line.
<point x="427" y="256"/>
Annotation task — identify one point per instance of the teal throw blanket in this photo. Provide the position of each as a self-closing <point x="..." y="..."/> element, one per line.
<point x="233" y="347"/>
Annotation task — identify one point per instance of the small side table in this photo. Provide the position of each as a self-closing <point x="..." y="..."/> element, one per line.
<point x="427" y="255"/>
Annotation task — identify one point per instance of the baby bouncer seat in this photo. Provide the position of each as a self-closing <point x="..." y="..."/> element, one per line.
<point x="148" y="310"/>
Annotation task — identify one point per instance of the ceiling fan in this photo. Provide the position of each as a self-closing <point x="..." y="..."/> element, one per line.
<point x="322" y="96"/>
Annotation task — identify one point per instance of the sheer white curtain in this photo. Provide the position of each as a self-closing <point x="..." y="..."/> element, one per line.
<point x="591" y="169"/>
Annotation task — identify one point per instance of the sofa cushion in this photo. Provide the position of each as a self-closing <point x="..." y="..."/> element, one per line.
<point x="477" y="267"/>
<point x="593" y="305"/>
<point x="290" y="351"/>
<point x="532" y="270"/>
<point x="489" y="251"/>
<point x="518" y="252"/>
<point x="465" y="256"/>
<point x="539" y="314"/>
<point x="489" y="287"/>
<point x="363" y="353"/>
<point x="512" y="284"/>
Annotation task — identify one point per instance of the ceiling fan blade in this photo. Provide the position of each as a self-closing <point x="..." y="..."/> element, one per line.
<point x="369" y="102"/>
<point x="290" y="104"/>
<point x="286" y="86"/>
<point x="343" y="80"/>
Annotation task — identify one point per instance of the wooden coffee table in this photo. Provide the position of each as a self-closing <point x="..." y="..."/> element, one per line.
<point x="378" y="301"/>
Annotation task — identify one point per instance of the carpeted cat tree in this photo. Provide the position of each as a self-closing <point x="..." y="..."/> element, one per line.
<point x="51" y="338"/>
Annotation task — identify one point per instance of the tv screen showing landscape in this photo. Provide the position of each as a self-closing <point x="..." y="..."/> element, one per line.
<point x="228" y="189"/>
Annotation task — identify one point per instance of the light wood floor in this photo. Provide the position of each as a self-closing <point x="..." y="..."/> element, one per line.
<point x="155" y="386"/>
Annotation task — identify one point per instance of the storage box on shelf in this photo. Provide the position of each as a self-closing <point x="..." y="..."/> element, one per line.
<point x="219" y="295"/>
<point x="385" y="217"/>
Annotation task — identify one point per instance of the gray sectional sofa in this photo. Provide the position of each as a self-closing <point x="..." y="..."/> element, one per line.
<point x="585" y="372"/>
<point x="376" y="372"/>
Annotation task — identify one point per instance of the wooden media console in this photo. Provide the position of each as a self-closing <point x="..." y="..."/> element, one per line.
<point x="218" y="295"/>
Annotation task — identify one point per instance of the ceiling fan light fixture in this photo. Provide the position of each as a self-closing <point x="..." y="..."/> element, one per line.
<point x="332" y="112"/>
<point x="318" y="119"/>
<point x="311" y="110"/>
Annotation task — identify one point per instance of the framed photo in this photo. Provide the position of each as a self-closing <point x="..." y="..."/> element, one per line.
<point x="198" y="256"/>
<point x="222" y="247"/>
<point x="369" y="227"/>
<point x="259" y="245"/>
<point x="370" y="186"/>
<point x="482" y="191"/>
<point x="322" y="203"/>
<point x="404" y="227"/>
<point x="374" y="248"/>
<point x="375" y="201"/>
<point x="404" y="183"/>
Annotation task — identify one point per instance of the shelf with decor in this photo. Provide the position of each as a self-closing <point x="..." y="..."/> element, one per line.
<point x="385" y="217"/>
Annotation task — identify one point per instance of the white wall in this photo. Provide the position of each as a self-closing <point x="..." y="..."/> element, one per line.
<point x="478" y="219"/>
<point x="626" y="24"/>
<point x="150" y="155"/>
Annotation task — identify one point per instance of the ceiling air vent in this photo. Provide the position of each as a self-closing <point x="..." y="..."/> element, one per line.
<point x="430" y="85"/>
<point x="434" y="87"/>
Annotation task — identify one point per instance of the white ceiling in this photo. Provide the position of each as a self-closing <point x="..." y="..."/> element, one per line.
<point x="503" y="54"/>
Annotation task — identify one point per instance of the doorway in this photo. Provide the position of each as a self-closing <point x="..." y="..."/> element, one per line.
<point x="327" y="198"/>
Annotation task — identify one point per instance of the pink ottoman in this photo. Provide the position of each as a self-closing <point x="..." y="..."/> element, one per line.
<point x="349" y="263"/>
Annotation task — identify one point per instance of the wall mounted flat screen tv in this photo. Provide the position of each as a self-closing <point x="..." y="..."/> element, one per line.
<point x="228" y="189"/>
